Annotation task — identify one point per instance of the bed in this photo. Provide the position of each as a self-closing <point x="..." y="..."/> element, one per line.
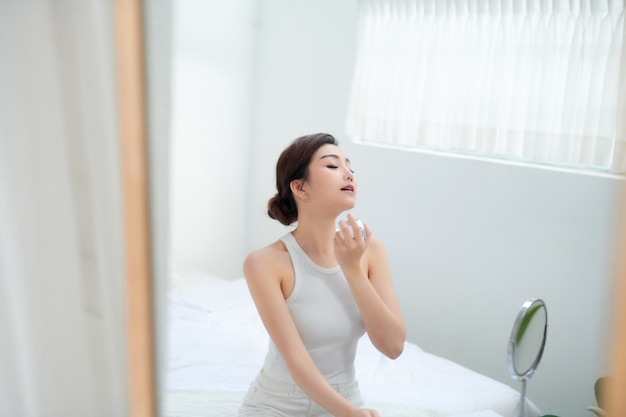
<point x="216" y="344"/>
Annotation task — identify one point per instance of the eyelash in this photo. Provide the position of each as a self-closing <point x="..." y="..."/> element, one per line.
<point x="335" y="167"/>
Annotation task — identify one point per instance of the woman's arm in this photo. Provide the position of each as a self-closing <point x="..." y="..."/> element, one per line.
<point x="367" y="271"/>
<point x="263" y="273"/>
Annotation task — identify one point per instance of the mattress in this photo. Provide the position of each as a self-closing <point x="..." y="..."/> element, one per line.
<point x="216" y="344"/>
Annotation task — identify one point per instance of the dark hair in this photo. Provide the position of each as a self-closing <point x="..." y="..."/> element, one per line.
<point x="293" y="164"/>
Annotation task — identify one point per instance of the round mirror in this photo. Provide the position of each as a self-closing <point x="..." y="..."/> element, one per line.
<point x="528" y="339"/>
<point x="526" y="343"/>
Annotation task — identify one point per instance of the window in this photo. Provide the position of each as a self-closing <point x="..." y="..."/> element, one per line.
<point x="529" y="80"/>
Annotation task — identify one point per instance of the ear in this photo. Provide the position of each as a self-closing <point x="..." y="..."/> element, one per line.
<point x="297" y="188"/>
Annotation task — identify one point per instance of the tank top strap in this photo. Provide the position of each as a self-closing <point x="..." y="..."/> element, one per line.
<point x="299" y="255"/>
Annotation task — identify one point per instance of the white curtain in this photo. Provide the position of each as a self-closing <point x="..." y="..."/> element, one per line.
<point x="62" y="281"/>
<point x="529" y="80"/>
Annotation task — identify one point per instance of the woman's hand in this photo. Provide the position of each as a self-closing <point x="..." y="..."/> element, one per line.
<point x="350" y="244"/>
<point x="369" y="278"/>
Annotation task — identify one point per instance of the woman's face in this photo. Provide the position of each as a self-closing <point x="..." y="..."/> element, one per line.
<point x="331" y="179"/>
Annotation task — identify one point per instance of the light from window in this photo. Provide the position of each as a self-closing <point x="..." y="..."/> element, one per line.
<point x="535" y="81"/>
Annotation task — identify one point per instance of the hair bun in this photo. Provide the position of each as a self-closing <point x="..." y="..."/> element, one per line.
<point x="282" y="209"/>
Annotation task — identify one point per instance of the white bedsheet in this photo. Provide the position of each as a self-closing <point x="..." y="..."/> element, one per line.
<point x="217" y="343"/>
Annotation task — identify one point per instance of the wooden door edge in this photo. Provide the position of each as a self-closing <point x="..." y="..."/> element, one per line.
<point x="131" y="104"/>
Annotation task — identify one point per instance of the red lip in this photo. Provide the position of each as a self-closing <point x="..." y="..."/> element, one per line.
<point x="348" y="187"/>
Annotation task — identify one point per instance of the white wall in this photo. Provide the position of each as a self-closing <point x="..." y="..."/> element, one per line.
<point x="211" y="120"/>
<point x="469" y="241"/>
<point x="305" y="61"/>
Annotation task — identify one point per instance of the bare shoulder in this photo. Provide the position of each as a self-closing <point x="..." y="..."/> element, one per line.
<point x="376" y="255"/>
<point x="270" y="260"/>
<point x="376" y="247"/>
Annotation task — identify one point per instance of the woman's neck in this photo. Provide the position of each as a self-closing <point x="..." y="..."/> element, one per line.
<point x="315" y="237"/>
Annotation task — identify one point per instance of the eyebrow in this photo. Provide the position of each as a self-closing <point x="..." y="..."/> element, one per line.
<point x="332" y="155"/>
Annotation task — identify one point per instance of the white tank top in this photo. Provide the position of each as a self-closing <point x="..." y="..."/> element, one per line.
<point x="327" y="318"/>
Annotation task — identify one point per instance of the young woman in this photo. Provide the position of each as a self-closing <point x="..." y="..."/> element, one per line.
<point x="318" y="289"/>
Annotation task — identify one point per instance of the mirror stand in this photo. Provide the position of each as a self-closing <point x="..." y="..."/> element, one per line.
<point x="526" y="344"/>
<point x="522" y="398"/>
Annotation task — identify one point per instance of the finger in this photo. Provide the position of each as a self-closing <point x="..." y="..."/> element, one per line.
<point x="345" y="229"/>
<point x="352" y="221"/>
<point x="338" y="236"/>
<point x="359" y="230"/>
<point x="356" y="228"/>
<point x="341" y="233"/>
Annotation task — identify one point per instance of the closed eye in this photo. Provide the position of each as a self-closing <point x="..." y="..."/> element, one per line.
<point x="335" y="167"/>
<point x="336" y="158"/>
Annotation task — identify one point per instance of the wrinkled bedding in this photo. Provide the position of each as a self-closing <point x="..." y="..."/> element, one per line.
<point x="216" y="344"/>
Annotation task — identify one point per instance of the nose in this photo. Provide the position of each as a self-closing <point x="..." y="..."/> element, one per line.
<point x="349" y="173"/>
